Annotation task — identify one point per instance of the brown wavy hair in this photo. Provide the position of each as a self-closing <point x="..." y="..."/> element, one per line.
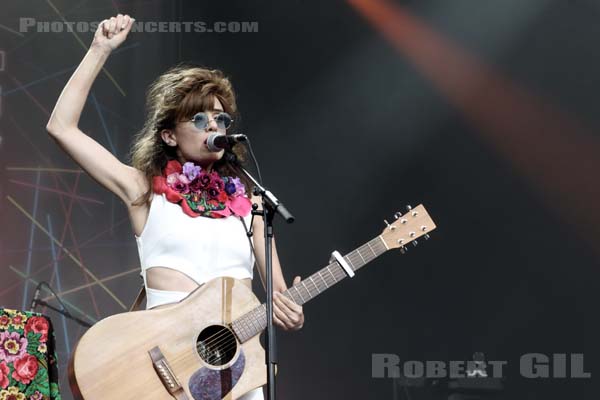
<point x="177" y="95"/>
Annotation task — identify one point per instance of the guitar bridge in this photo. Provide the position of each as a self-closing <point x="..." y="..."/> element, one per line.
<point x="165" y="373"/>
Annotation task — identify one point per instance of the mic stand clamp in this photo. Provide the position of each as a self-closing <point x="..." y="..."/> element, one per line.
<point x="271" y="206"/>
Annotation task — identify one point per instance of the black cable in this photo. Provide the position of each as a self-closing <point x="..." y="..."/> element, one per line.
<point x="255" y="161"/>
<point x="64" y="308"/>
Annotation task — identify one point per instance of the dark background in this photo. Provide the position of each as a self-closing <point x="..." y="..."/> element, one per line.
<point x="348" y="129"/>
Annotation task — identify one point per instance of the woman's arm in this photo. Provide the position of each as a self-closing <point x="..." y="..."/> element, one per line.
<point x="124" y="181"/>
<point x="287" y="314"/>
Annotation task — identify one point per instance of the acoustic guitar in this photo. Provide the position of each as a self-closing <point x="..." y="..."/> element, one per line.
<point x="207" y="346"/>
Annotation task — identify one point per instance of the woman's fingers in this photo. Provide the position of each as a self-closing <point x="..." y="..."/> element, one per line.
<point x="281" y="318"/>
<point x="127" y="24"/>
<point x="119" y="25"/>
<point x="126" y="21"/>
<point x="112" y="32"/>
<point x="111" y="27"/>
<point x="288" y="311"/>
<point x="279" y="322"/>
<point x="287" y="304"/>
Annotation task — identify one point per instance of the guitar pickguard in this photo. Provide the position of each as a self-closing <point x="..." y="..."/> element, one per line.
<point x="210" y="384"/>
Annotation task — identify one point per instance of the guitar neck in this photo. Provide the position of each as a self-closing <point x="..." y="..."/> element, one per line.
<point x="253" y="322"/>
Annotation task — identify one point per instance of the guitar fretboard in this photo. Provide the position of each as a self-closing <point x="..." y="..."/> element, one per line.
<point x="253" y="322"/>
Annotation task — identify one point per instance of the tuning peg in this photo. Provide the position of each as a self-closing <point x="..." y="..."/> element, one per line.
<point x="415" y="243"/>
<point x="403" y="249"/>
<point x="391" y="227"/>
<point x="397" y="215"/>
<point x="408" y="208"/>
<point x="426" y="237"/>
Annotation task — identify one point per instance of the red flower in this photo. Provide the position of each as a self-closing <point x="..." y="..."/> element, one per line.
<point x="173" y="166"/>
<point x="38" y="325"/>
<point x="4" y="370"/>
<point x="26" y="369"/>
<point x="222" y="197"/>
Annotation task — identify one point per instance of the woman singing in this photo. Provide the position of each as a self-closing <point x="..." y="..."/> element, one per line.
<point x="186" y="203"/>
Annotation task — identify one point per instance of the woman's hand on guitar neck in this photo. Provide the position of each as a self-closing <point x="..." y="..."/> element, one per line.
<point x="287" y="314"/>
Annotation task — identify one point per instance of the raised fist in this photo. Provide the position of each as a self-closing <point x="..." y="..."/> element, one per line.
<point x="112" y="32"/>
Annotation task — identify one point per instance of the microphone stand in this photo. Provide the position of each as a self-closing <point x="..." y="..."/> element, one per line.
<point x="62" y="311"/>
<point x="271" y="206"/>
<point x="65" y="313"/>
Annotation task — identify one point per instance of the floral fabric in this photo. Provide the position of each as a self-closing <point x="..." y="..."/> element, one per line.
<point x="28" y="365"/>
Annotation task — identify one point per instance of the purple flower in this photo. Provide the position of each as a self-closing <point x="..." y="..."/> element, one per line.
<point x="240" y="189"/>
<point x="191" y="171"/>
<point x="230" y="187"/>
<point x="12" y="346"/>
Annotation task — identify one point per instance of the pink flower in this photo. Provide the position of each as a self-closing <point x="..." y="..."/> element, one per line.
<point x="172" y="178"/>
<point x="240" y="205"/>
<point x="26" y="368"/>
<point x="4" y="371"/>
<point x="12" y="346"/>
<point x="183" y="179"/>
<point x="36" y="396"/>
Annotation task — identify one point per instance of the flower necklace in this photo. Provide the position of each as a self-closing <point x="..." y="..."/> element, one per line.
<point x="202" y="193"/>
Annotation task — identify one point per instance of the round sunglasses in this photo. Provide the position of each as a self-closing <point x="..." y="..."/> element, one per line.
<point x="201" y="120"/>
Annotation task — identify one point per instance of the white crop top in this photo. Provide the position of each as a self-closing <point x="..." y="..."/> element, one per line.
<point x="202" y="248"/>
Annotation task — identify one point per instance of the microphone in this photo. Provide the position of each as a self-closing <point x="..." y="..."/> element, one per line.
<point x="36" y="297"/>
<point x="217" y="142"/>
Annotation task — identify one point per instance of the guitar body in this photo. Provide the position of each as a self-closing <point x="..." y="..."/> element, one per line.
<point x="112" y="360"/>
<point x="189" y="347"/>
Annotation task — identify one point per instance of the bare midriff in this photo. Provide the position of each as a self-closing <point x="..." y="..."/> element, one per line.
<point x="163" y="278"/>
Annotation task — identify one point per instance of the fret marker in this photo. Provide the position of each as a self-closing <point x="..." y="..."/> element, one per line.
<point x="338" y="257"/>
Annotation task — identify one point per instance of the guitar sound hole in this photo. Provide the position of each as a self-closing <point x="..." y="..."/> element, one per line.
<point x="216" y="345"/>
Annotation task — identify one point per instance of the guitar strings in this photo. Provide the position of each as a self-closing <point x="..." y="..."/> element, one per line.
<point x="223" y="342"/>
<point x="211" y="339"/>
<point x="216" y="340"/>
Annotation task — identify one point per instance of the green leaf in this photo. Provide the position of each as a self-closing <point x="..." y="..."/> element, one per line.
<point x="33" y="339"/>
<point x="54" y="391"/>
<point x="40" y="382"/>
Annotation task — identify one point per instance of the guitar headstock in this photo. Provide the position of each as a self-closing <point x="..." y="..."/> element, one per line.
<point x="406" y="228"/>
